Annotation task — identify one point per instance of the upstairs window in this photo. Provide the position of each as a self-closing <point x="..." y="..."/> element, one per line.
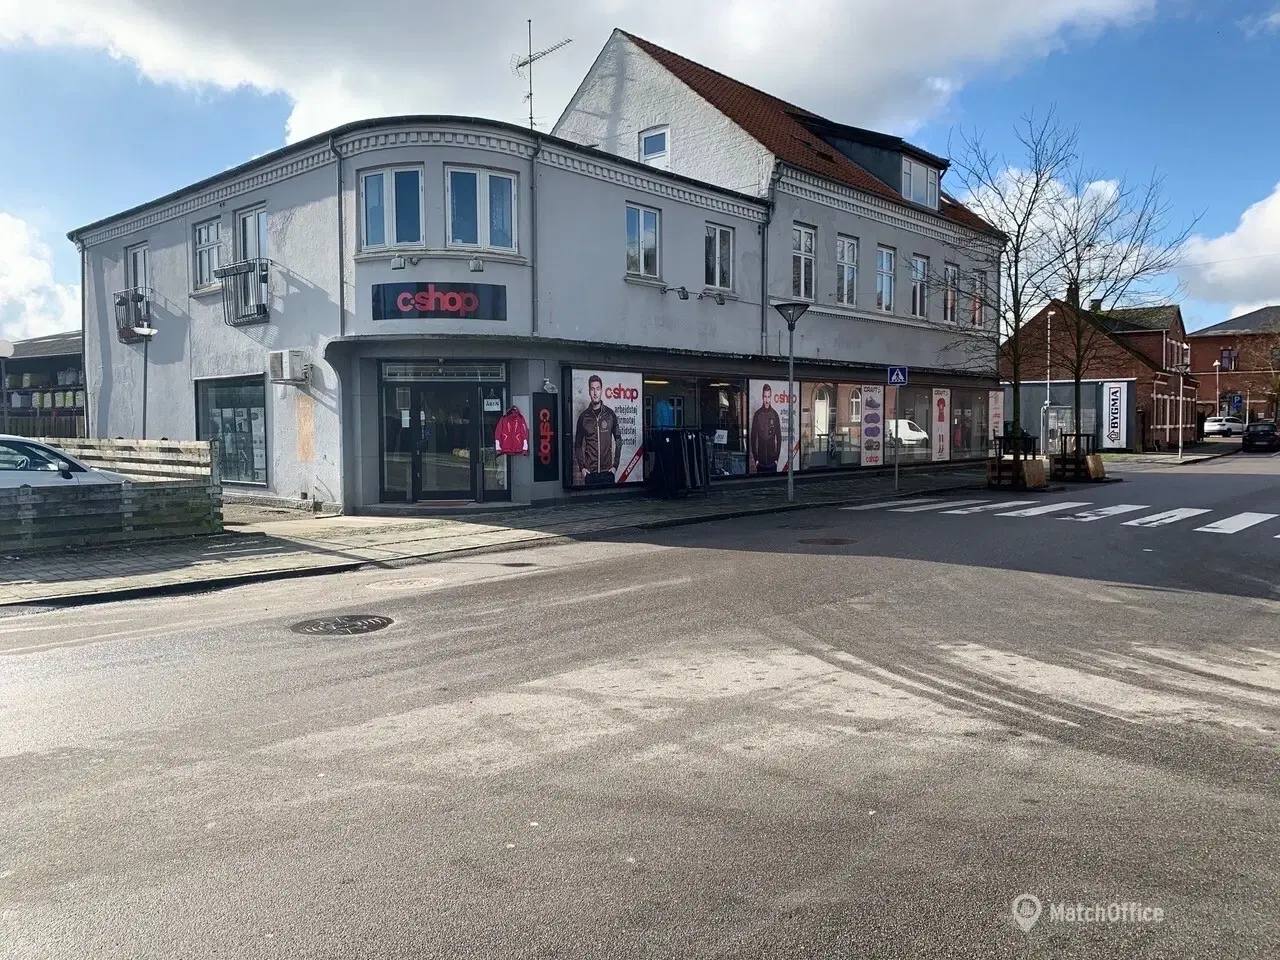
<point x="885" y="257"/>
<point x="135" y="267"/>
<point x="919" y="183"/>
<point x="718" y="245"/>
<point x="950" y="291"/>
<point x="803" y="240"/>
<point x="1275" y="358"/>
<point x="208" y="252"/>
<point x="482" y="209"/>
<point x="977" y="306"/>
<point x="847" y="271"/>
<point x="392" y="207"/>
<point x="643" y="225"/>
<point x="655" y="146"/>
<point x="1229" y="358"/>
<point x="920" y="287"/>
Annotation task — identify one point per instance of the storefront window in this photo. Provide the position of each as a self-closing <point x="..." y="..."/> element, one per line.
<point x="968" y="423"/>
<point x="848" y="424"/>
<point x="234" y="412"/>
<point x="669" y="402"/>
<point x="817" y="426"/>
<point x="910" y="427"/>
<point x="721" y="403"/>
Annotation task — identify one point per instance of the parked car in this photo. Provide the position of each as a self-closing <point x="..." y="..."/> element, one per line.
<point x="1223" y="426"/>
<point x="29" y="463"/>
<point x="1262" y="435"/>
<point x="908" y="430"/>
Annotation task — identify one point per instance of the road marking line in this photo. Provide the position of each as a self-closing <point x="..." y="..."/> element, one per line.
<point x="890" y="503"/>
<point x="1169" y="516"/>
<point x="936" y="506"/>
<point x="1241" y="521"/>
<point x="1046" y="508"/>
<point x="998" y="505"/>
<point x="1089" y="516"/>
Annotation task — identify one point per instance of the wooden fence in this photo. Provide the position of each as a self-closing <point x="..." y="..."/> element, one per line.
<point x="155" y="506"/>
<point x="143" y="459"/>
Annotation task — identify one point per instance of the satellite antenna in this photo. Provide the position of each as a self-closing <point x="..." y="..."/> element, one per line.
<point x="523" y="66"/>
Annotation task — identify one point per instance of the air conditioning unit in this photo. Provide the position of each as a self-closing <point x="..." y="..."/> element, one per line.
<point x="288" y="366"/>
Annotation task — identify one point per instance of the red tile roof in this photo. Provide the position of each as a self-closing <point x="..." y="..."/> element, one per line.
<point x="773" y="123"/>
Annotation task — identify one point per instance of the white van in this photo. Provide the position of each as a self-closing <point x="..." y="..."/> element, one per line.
<point x="908" y="430"/>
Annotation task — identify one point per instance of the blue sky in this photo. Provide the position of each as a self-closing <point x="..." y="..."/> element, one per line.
<point x="1152" y="84"/>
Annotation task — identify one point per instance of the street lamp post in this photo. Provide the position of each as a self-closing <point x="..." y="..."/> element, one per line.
<point x="791" y="312"/>
<point x="6" y="351"/>
<point x="1217" y="387"/>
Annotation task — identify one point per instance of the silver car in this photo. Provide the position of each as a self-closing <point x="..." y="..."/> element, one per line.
<point x="29" y="463"/>
<point x="1223" y="426"/>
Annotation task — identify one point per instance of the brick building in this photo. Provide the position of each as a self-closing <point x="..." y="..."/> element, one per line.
<point x="1238" y="361"/>
<point x="1128" y="359"/>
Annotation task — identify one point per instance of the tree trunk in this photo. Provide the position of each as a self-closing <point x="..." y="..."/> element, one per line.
<point x="1075" y="413"/>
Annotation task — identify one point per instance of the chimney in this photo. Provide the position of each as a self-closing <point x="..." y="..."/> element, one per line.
<point x="1095" y="306"/>
<point x="1073" y="294"/>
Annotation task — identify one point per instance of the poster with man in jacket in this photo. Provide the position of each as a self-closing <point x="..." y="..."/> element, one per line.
<point x="766" y="436"/>
<point x="607" y="447"/>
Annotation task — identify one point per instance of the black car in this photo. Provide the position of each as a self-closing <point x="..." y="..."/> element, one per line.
<point x="1261" y="436"/>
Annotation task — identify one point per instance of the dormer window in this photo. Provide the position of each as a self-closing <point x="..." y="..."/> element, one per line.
<point x="655" y="147"/>
<point x="919" y="183"/>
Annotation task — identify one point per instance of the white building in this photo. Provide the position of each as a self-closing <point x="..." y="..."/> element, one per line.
<point x="351" y="315"/>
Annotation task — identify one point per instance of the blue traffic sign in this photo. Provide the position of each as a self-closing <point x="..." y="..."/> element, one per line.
<point x="897" y="376"/>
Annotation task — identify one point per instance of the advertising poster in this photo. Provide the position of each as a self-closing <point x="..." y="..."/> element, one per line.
<point x="872" y="426"/>
<point x="546" y="437"/>
<point x="995" y="402"/>
<point x="940" y="416"/>
<point x="770" y="405"/>
<point x="1115" y="416"/>
<point x="608" y="428"/>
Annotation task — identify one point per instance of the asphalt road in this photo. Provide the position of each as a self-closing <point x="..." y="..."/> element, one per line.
<point x="838" y="733"/>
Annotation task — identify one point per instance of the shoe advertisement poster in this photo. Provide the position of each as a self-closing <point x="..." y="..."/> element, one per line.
<point x="770" y="404"/>
<point x="608" y="428"/>
<point x="872" y="426"/>
<point x="940" y="416"/>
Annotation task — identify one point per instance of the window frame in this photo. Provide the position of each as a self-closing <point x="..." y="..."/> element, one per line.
<point x="886" y="279"/>
<point x="484" y="237"/>
<point x="798" y="233"/>
<point x="919" y="307"/>
<point x="242" y="380"/>
<point x="131" y="278"/>
<point x="390" y="240"/>
<point x="932" y="182"/>
<point x="847" y="270"/>
<point x="718" y="230"/>
<point x="213" y="247"/>
<point x="1229" y="357"/>
<point x="641" y="211"/>
<point x="950" y="293"/>
<point x="977" y="299"/>
<point x="659" y="161"/>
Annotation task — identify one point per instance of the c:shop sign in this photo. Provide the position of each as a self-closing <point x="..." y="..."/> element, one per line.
<point x="456" y="301"/>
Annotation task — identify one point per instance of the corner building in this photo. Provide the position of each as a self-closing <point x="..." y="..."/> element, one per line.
<point x="350" y="316"/>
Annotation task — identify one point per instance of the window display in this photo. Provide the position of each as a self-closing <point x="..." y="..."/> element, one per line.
<point x="233" y="412"/>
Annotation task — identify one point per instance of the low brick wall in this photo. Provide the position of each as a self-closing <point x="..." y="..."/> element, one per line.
<point x="36" y="519"/>
<point x="143" y="459"/>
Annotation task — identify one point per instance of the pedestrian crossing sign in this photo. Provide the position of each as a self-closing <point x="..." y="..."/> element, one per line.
<point x="897" y="376"/>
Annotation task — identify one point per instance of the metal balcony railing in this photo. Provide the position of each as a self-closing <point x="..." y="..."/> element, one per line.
<point x="246" y="296"/>
<point x="133" y="312"/>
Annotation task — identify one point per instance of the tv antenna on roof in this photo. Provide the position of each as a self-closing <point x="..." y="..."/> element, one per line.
<point x="523" y="66"/>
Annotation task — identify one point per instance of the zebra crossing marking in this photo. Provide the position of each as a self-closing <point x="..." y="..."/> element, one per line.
<point x="998" y="505"/>
<point x="1088" y="516"/>
<point x="1169" y="516"/>
<point x="936" y="506"/>
<point x="1241" y="521"/>
<point x="1046" y="508"/>
<point x="891" y="503"/>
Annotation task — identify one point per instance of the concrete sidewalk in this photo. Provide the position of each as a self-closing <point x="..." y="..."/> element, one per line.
<point x="1191" y="453"/>
<point x="309" y="544"/>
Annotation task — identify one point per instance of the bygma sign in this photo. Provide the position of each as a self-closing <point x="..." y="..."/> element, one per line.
<point x="458" y="301"/>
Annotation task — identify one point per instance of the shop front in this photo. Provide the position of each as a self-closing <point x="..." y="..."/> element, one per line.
<point x="438" y="424"/>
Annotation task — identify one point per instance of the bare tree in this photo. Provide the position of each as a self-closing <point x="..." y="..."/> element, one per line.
<point x="1111" y="245"/>
<point x="1015" y="195"/>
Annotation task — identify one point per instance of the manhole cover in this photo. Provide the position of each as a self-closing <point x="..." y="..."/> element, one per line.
<point x="827" y="541"/>
<point x="341" y="626"/>
<point x="406" y="583"/>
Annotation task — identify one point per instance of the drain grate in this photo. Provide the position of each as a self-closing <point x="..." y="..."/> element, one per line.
<point x="345" y="626"/>
<point x="827" y="541"/>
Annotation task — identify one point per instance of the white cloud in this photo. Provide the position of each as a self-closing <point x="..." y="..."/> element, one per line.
<point x="1262" y="24"/>
<point x="31" y="303"/>
<point x="1241" y="267"/>
<point x="870" y="63"/>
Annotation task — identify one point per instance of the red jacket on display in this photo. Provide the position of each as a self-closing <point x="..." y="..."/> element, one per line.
<point x="511" y="435"/>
